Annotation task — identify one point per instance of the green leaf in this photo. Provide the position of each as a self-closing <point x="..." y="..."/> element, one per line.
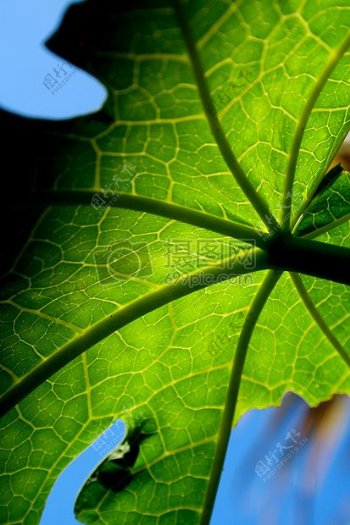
<point x="147" y="288"/>
<point x="329" y="179"/>
<point x="329" y="207"/>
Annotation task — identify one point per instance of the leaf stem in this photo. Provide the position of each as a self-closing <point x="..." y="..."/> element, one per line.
<point x="283" y="253"/>
<point x="233" y="388"/>
<point x="319" y="259"/>
<point x="234" y="166"/>
<point x="327" y="228"/>
<point x="210" y="222"/>
<point x="299" y="133"/>
<point x="194" y="281"/>
<point x="311" y="307"/>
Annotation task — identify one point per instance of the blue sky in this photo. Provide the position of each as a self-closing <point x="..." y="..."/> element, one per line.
<point x="24" y="63"/>
<point x="244" y="497"/>
<point x="60" y="503"/>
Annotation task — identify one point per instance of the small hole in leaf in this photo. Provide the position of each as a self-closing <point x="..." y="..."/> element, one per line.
<point x="62" y="498"/>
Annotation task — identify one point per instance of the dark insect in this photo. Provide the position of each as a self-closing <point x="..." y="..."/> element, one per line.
<point x="114" y="473"/>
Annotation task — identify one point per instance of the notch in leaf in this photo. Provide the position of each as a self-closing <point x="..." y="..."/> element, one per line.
<point x="114" y="473"/>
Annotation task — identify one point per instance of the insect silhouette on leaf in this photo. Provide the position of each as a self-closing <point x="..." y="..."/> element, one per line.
<point x="114" y="473"/>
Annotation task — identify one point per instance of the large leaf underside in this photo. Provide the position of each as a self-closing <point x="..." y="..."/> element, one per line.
<point x="276" y="74"/>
